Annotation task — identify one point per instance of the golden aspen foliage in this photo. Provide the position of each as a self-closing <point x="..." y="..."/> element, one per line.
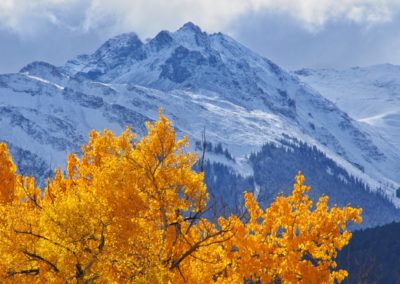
<point x="132" y="211"/>
<point x="7" y="174"/>
<point x="292" y="241"/>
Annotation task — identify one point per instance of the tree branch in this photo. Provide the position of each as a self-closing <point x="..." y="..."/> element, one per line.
<point x="40" y="258"/>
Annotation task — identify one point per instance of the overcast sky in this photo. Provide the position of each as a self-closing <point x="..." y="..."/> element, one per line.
<point x="293" y="33"/>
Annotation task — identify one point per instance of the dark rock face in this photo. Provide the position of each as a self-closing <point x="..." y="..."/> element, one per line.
<point x="162" y="39"/>
<point x="85" y="100"/>
<point x="126" y="117"/>
<point x="91" y="75"/>
<point x="176" y="68"/>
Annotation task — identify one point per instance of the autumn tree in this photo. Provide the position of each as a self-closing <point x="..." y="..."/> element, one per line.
<point x="292" y="241"/>
<point x="131" y="210"/>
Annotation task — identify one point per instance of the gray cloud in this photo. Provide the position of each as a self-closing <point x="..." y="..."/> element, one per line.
<point x="293" y="33"/>
<point x="27" y="16"/>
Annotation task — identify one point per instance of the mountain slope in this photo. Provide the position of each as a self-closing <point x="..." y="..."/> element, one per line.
<point x="201" y="80"/>
<point x="370" y="95"/>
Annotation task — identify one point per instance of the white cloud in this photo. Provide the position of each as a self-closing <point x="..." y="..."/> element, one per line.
<point x="27" y="17"/>
<point x="315" y="13"/>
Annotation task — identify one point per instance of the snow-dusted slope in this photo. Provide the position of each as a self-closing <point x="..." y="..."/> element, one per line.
<point x="201" y="80"/>
<point x="370" y="95"/>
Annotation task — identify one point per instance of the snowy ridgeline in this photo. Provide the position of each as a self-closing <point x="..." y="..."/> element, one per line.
<point x="202" y="81"/>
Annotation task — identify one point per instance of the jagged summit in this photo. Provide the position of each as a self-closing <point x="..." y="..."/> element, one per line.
<point x="129" y="47"/>
<point x="189" y="26"/>
<point x="188" y="58"/>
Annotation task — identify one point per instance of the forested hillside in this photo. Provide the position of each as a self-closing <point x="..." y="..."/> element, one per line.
<point x="373" y="255"/>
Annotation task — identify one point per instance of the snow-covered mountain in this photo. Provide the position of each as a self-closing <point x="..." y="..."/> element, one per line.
<point x="201" y="80"/>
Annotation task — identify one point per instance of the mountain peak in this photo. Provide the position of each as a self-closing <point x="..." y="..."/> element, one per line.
<point x="122" y="41"/>
<point x="192" y="37"/>
<point x="37" y="65"/>
<point x="161" y="40"/>
<point x="189" y="26"/>
<point x="44" y="70"/>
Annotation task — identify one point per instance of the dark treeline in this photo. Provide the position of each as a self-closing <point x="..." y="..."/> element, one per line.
<point x="373" y="255"/>
<point x="275" y="166"/>
<point x="216" y="149"/>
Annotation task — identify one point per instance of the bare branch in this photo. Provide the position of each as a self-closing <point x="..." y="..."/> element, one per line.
<point x="204" y="144"/>
<point x="33" y="271"/>
<point x="201" y="243"/>
<point x="43" y="238"/>
<point x="40" y="258"/>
